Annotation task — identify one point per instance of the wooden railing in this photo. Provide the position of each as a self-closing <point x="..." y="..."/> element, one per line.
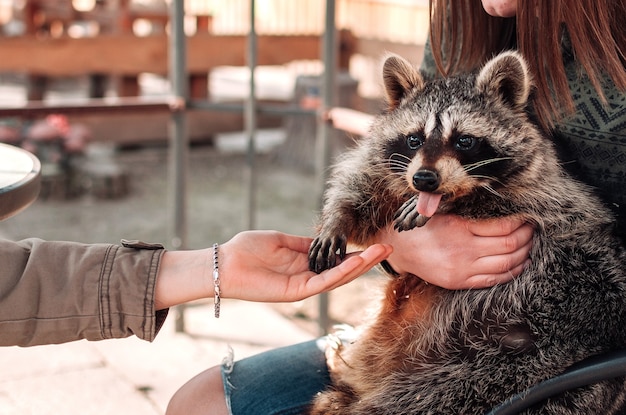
<point x="386" y="20"/>
<point x="289" y="30"/>
<point x="220" y="41"/>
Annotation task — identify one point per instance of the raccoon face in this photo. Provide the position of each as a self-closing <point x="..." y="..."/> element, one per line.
<point x="451" y="137"/>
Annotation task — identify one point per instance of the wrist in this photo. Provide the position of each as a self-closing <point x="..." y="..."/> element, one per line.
<point x="391" y="265"/>
<point x="183" y="276"/>
<point x="227" y="260"/>
<point x="216" y="281"/>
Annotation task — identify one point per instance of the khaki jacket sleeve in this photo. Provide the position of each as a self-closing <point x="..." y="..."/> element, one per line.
<point x="55" y="292"/>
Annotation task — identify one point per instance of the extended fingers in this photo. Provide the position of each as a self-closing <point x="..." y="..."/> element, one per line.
<point x="353" y="265"/>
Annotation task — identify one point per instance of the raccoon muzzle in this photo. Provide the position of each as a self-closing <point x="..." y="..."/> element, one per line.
<point x="426" y="180"/>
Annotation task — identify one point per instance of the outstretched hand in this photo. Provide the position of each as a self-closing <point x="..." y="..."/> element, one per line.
<point x="271" y="266"/>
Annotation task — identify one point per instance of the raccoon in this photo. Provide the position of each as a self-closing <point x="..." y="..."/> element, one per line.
<point x="469" y="145"/>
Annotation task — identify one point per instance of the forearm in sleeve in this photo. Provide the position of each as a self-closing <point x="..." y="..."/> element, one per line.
<point x="55" y="292"/>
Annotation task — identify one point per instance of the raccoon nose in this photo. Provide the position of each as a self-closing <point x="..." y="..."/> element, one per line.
<point x="426" y="180"/>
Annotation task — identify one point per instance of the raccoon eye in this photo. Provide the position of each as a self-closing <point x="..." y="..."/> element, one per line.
<point x="466" y="143"/>
<point x="414" y="141"/>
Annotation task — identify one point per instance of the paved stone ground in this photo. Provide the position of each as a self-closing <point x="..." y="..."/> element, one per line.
<point x="130" y="376"/>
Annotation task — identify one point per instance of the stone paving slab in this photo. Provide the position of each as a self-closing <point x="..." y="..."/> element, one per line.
<point x="131" y="376"/>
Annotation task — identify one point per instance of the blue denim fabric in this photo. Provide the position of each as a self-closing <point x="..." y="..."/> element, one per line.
<point x="278" y="382"/>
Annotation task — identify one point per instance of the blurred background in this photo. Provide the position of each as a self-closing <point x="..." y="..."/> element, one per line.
<point x="134" y="147"/>
<point x="83" y="55"/>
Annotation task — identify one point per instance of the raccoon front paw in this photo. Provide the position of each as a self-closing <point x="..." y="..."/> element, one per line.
<point x="407" y="217"/>
<point x="336" y="342"/>
<point x="324" y="251"/>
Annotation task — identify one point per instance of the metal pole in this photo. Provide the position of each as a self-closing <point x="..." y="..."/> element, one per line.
<point x="179" y="140"/>
<point x="250" y="118"/>
<point x="322" y="144"/>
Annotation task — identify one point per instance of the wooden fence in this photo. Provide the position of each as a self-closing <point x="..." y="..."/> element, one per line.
<point x="288" y="30"/>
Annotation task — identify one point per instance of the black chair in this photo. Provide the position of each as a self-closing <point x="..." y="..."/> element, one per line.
<point x="592" y="370"/>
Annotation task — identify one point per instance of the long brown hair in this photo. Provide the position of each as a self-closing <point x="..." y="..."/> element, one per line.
<point x="464" y="36"/>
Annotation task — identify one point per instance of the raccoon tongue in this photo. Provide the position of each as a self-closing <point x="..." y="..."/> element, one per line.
<point x="427" y="203"/>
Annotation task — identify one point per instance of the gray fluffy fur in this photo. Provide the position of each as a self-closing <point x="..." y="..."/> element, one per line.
<point x="434" y="351"/>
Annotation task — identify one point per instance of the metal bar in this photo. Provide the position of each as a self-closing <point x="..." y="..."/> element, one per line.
<point x="250" y="119"/>
<point x="178" y="127"/>
<point x="322" y="143"/>
<point x="179" y="139"/>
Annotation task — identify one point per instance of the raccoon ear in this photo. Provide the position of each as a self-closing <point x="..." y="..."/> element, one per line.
<point x="507" y="77"/>
<point x="400" y="77"/>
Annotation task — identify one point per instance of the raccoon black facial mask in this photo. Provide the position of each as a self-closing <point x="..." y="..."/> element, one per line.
<point x="443" y="143"/>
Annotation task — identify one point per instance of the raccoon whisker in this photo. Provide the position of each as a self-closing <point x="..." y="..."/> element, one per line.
<point x="490" y="178"/>
<point x="382" y="165"/>
<point x="399" y="157"/>
<point x="397" y="172"/>
<point x="398" y="169"/>
<point x="394" y="175"/>
<point x="392" y="160"/>
<point x="398" y="161"/>
<point x="482" y="163"/>
<point x="394" y="168"/>
<point x="407" y="158"/>
<point x="398" y="165"/>
<point x="386" y="180"/>
<point x="492" y="191"/>
<point x="488" y="186"/>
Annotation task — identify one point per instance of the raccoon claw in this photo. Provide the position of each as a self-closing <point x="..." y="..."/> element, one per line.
<point x="407" y="217"/>
<point x="406" y="209"/>
<point x="417" y="222"/>
<point x="324" y="251"/>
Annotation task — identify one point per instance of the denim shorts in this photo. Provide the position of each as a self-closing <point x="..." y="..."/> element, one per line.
<point x="278" y="382"/>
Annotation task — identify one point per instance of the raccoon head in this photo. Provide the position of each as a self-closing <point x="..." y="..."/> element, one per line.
<point x="457" y="136"/>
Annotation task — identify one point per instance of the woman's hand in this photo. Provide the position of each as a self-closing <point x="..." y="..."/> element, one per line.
<point x="272" y="266"/>
<point x="457" y="253"/>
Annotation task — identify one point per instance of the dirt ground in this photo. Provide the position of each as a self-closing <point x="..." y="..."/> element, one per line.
<point x="217" y="198"/>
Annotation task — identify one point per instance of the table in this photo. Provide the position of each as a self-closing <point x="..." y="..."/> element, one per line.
<point x="20" y="179"/>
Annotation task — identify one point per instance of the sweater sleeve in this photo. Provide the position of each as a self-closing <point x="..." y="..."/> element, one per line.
<point x="592" y="140"/>
<point x="56" y="292"/>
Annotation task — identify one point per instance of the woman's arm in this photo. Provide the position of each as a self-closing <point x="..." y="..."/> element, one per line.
<point x="263" y="266"/>
<point x="55" y="292"/>
<point x="349" y="120"/>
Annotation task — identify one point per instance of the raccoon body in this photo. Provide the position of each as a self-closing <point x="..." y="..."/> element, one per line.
<point x="467" y="145"/>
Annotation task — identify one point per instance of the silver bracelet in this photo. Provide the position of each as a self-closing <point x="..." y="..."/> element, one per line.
<point x="216" y="281"/>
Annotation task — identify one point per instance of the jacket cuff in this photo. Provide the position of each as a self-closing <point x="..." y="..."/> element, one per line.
<point x="127" y="291"/>
<point x="160" y="315"/>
